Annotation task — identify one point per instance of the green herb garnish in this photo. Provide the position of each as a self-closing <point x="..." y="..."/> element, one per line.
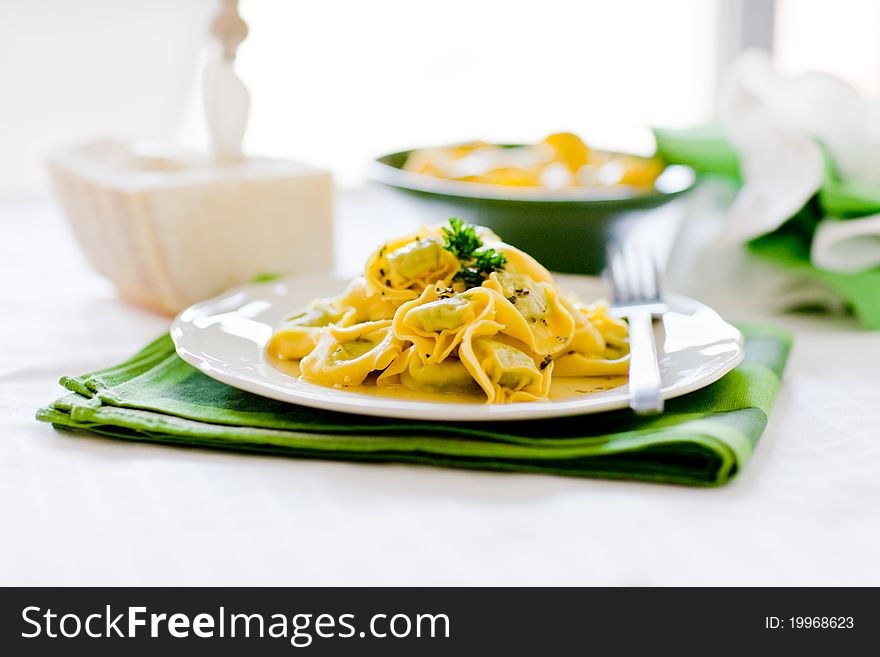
<point x="477" y="261"/>
<point x="484" y="263"/>
<point x="461" y="239"/>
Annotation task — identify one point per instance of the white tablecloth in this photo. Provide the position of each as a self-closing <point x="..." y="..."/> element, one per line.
<point x="83" y="510"/>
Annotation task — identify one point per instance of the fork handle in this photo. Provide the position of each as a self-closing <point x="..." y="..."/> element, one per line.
<point x="644" y="371"/>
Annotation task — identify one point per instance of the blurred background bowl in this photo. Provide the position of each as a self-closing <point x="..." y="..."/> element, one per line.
<point x="566" y="229"/>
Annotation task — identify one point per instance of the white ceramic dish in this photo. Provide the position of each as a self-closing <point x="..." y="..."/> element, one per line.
<point x="225" y="337"/>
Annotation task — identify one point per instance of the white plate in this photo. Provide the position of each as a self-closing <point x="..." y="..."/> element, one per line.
<point x="225" y="337"/>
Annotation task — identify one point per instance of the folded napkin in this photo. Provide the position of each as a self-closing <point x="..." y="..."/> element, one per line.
<point x="807" y="154"/>
<point x="703" y="438"/>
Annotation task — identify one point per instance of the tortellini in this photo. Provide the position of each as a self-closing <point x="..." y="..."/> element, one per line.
<point x="599" y="347"/>
<point x="552" y="325"/>
<point x="298" y="334"/>
<point x="519" y="262"/>
<point x="436" y="322"/>
<point x="449" y="375"/>
<point x="346" y="356"/>
<point x="506" y="371"/>
<point x="411" y="322"/>
<point x="401" y="269"/>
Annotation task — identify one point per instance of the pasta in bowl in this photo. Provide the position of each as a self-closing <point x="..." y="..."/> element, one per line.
<point x="453" y="310"/>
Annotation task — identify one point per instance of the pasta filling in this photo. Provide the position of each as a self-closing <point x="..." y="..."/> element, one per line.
<point x="442" y="315"/>
<point x="298" y="334"/>
<point x="315" y="316"/>
<point x="504" y="369"/>
<point x="414" y="259"/>
<point x="510" y="367"/>
<point x="354" y="349"/>
<point x="449" y="376"/>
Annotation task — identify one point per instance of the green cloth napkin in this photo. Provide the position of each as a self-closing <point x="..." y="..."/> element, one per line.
<point x="708" y="151"/>
<point x="703" y="438"/>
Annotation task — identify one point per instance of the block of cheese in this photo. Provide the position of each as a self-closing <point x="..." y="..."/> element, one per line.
<point x="171" y="228"/>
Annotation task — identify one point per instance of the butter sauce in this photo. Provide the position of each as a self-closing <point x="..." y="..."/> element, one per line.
<point x="561" y="388"/>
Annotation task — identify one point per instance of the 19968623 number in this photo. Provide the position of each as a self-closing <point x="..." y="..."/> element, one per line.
<point x="821" y="622"/>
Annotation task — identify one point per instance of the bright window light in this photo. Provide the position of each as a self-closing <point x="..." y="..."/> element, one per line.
<point x="335" y="83"/>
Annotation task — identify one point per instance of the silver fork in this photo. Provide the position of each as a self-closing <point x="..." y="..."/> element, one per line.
<point x="635" y="286"/>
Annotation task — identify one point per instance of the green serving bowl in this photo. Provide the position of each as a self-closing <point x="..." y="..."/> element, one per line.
<point x="565" y="230"/>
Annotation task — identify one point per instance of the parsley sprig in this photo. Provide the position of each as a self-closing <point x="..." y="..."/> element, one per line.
<point x="477" y="261"/>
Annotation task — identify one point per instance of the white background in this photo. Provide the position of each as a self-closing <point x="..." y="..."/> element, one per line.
<point x="339" y="81"/>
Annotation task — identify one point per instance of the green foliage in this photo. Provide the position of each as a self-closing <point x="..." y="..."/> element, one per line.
<point x="461" y="239"/>
<point x="477" y="261"/>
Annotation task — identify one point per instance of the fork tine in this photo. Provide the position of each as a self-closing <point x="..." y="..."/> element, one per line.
<point x="616" y="274"/>
<point x="632" y="255"/>
<point x="642" y="272"/>
<point x="648" y="274"/>
<point x="608" y="273"/>
<point x="658" y="276"/>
